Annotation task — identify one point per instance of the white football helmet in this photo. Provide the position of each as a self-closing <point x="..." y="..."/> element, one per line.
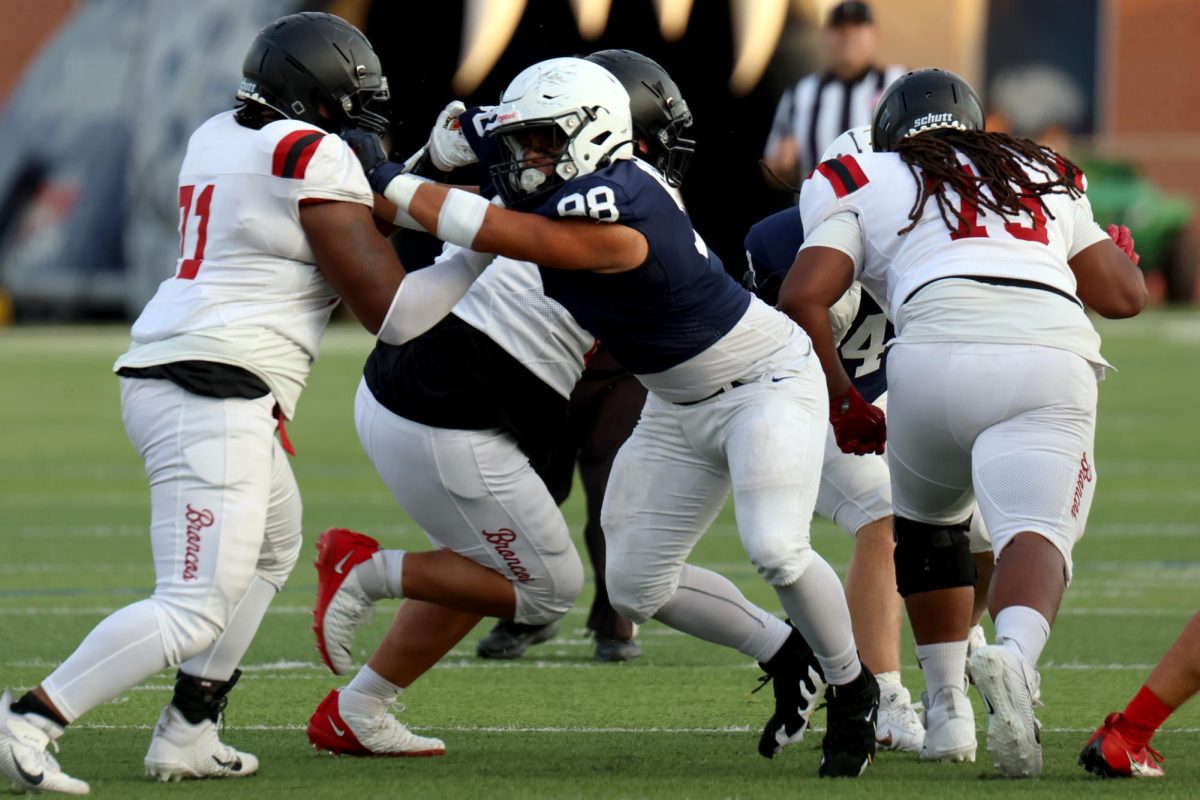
<point x="852" y="142"/>
<point x="566" y="114"/>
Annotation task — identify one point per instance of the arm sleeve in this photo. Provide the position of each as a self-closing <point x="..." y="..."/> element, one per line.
<point x="333" y="173"/>
<point x="426" y="296"/>
<point x="1085" y="232"/>
<point x="841" y="231"/>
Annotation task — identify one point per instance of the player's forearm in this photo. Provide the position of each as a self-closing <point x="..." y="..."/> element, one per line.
<point x="426" y="296"/>
<point x="813" y="317"/>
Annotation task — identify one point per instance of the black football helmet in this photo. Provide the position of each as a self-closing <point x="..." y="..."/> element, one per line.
<point x="924" y="100"/>
<point x="660" y="114"/>
<point x="302" y="62"/>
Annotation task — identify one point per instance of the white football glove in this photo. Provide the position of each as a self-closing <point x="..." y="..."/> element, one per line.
<point x="448" y="148"/>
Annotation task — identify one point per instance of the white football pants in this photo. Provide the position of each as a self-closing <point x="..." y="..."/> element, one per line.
<point x="765" y="441"/>
<point x="1009" y="425"/>
<point x="224" y="533"/>
<point x="474" y="492"/>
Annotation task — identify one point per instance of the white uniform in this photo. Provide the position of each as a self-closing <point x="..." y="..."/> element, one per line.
<point x="474" y="491"/>
<point x="225" y="511"/>
<point x="991" y="387"/>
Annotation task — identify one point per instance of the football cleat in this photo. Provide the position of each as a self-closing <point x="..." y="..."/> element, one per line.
<point x="796" y="679"/>
<point x="1109" y="755"/>
<point x="352" y="735"/>
<point x="509" y="640"/>
<point x="181" y="750"/>
<point x="1009" y="685"/>
<point x="898" y="727"/>
<point x="342" y="606"/>
<point x="25" y="759"/>
<point x="949" y="726"/>
<point x="614" y="651"/>
<point x="849" y="744"/>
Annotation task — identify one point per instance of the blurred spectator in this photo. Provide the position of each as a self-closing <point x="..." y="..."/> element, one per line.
<point x="816" y="110"/>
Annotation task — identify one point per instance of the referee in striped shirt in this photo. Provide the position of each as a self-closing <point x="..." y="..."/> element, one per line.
<point x="821" y="106"/>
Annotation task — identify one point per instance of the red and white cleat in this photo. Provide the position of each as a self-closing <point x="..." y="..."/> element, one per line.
<point x="342" y="606"/>
<point x="1109" y="755"/>
<point x="352" y="735"/>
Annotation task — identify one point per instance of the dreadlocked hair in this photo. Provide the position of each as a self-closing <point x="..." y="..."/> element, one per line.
<point x="1001" y="160"/>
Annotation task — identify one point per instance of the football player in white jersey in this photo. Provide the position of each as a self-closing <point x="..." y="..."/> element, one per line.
<point x="732" y="400"/>
<point x="987" y="252"/>
<point x="275" y="225"/>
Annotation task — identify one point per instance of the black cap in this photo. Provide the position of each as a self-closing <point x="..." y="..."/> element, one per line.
<point x="852" y="12"/>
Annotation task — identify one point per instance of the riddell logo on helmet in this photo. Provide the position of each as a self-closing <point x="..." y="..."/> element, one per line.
<point x="501" y="540"/>
<point x="1084" y="478"/>
<point x="932" y="119"/>
<point x="197" y="520"/>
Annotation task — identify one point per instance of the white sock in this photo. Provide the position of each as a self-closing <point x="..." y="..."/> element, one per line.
<point x="1024" y="631"/>
<point x="709" y="607"/>
<point x="944" y="664"/>
<point x="121" y="652"/>
<point x="368" y="694"/>
<point x="817" y="607"/>
<point x="382" y="575"/>
<point x="218" y="662"/>
<point x="888" y="679"/>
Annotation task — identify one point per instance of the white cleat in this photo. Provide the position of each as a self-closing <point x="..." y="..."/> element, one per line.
<point x="180" y="750"/>
<point x="341" y="731"/>
<point x="949" y="726"/>
<point x="24" y="758"/>
<point x="898" y="726"/>
<point x="1009" y="686"/>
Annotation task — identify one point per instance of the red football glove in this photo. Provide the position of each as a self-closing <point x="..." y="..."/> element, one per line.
<point x="859" y="427"/>
<point x="1124" y="239"/>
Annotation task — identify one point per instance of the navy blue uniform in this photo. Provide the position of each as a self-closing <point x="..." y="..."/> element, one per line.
<point x="771" y="247"/>
<point x="675" y="305"/>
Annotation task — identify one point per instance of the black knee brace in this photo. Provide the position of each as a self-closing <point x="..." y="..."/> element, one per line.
<point x="932" y="557"/>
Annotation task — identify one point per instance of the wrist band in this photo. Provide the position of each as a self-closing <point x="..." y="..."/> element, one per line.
<point x="400" y="190"/>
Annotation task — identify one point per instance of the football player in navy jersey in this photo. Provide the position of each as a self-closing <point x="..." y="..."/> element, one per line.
<point x="605" y="404"/>
<point x="735" y="395"/>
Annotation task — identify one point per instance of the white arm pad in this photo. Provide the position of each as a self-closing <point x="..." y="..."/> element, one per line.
<point x="461" y="217"/>
<point x="840" y="231"/>
<point x="426" y="296"/>
<point x="401" y="190"/>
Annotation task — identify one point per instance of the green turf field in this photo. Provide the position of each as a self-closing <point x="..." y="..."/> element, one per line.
<point x="679" y="722"/>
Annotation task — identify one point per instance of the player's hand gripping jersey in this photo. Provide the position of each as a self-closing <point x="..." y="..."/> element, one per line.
<point x="1013" y="255"/>
<point x="246" y="291"/>
<point x="860" y="326"/>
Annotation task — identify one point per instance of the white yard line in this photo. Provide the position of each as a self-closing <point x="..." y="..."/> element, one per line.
<point x="553" y="729"/>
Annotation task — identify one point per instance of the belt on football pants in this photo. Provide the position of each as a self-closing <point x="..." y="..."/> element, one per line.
<point x="720" y="391"/>
<point x="1019" y="282"/>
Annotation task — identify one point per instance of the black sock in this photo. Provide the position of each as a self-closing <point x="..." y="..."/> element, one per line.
<point x="794" y="650"/>
<point x="30" y="703"/>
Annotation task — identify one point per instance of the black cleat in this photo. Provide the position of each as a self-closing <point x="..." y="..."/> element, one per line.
<point x="849" y="744"/>
<point x="509" y="640"/>
<point x="796" y="678"/>
<point x="616" y="650"/>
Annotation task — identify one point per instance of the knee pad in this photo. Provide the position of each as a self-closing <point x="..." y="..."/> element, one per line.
<point x="932" y="557"/>
<point x="633" y="600"/>
<point x="543" y="599"/>
<point x="780" y="558"/>
<point x="186" y="632"/>
<point x="279" y="556"/>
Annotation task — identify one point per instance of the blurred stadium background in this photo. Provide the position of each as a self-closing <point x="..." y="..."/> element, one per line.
<point x="99" y="97"/>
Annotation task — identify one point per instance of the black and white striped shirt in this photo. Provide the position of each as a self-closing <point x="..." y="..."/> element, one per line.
<point x="820" y="107"/>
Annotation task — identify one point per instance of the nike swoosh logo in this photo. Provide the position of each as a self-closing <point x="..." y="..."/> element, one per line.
<point x="333" y="725"/>
<point x="990" y="709"/>
<point x="338" y="568"/>
<point x="784" y="378"/>
<point x="32" y="780"/>
<point x="235" y="765"/>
